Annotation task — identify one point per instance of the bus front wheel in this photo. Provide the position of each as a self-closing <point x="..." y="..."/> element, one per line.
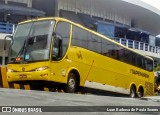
<point x="133" y="92"/>
<point x="71" y="83"/>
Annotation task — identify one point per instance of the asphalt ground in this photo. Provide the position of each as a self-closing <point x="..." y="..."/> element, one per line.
<point x="91" y="103"/>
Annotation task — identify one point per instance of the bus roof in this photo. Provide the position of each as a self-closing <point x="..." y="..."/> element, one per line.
<point x="96" y="33"/>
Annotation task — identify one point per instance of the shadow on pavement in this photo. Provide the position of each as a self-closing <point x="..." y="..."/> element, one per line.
<point x="84" y="90"/>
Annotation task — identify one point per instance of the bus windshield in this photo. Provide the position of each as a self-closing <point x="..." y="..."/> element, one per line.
<point x="31" y="42"/>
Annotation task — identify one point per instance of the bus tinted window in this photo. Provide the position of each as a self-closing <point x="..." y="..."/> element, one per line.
<point x="148" y="65"/>
<point x="105" y="47"/>
<point x="139" y="62"/>
<point x="79" y="37"/>
<point x="128" y="57"/>
<point x="94" y="43"/>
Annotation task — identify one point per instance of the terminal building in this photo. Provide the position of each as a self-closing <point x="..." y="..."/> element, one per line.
<point x="132" y="23"/>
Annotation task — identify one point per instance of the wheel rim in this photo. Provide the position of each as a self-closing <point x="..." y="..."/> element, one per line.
<point x="71" y="83"/>
<point x="132" y="93"/>
<point x="140" y="94"/>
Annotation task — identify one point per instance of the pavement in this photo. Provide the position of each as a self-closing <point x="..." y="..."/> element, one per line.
<point x="153" y="98"/>
<point x="82" y="104"/>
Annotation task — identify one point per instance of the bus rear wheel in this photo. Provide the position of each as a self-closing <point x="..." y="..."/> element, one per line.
<point x="71" y="83"/>
<point x="140" y="92"/>
<point x="133" y="92"/>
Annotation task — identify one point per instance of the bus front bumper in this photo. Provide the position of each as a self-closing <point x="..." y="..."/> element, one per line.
<point x="28" y="76"/>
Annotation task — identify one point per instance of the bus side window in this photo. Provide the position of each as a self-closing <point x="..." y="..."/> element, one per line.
<point x="148" y="65"/>
<point x="61" y="40"/>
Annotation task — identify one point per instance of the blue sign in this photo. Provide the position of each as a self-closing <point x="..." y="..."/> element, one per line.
<point x="106" y="29"/>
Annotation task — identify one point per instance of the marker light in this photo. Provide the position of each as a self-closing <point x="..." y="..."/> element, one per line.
<point x="18" y="59"/>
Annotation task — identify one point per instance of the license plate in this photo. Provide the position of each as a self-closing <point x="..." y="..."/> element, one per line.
<point x="23" y="76"/>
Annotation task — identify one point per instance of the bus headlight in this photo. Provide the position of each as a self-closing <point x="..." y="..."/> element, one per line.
<point x="41" y="68"/>
<point x="10" y="70"/>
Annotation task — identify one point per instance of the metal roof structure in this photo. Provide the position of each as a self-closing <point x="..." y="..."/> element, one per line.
<point x="130" y="12"/>
<point x="10" y="9"/>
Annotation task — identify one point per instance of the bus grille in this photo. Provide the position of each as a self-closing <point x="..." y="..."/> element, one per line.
<point x="149" y="88"/>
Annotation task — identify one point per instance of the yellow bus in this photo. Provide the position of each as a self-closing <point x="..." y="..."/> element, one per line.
<point x="47" y="51"/>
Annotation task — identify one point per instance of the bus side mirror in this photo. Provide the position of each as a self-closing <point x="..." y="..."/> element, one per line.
<point x="53" y="33"/>
<point x="8" y="36"/>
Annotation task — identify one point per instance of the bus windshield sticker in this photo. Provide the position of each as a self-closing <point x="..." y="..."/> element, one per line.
<point x="27" y="56"/>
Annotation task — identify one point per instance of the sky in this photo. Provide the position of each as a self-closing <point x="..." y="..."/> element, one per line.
<point x="155" y="3"/>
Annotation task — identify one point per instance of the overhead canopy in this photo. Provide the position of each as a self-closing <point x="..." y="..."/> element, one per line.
<point x="134" y="13"/>
<point x="20" y="10"/>
<point x="158" y="36"/>
<point x="138" y="30"/>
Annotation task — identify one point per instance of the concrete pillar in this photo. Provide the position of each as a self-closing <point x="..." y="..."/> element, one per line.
<point x="139" y="45"/>
<point x="5" y="17"/>
<point x="133" y="44"/>
<point x="148" y="47"/>
<point x="127" y="43"/>
<point x="13" y="30"/>
<point x="56" y="8"/>
<point x="76" y="6"/>
<point x="143" y="46"/>
<point x="4" y="55"/>
<point x="29" y="3"/>
<point x="6" y="1"/>
<point x="120" y="40"/>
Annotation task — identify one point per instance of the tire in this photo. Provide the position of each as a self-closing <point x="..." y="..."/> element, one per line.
<point x="133" y="92"/>
<point x="71" y="83"/>
<point x="140" y="93"/>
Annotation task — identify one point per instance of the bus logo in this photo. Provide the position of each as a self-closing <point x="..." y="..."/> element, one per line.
<point x="23" y="69"/>
<point x="79" y="55"/>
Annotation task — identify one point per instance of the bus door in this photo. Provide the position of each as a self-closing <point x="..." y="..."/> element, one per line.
<point x="60" y="45"/>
